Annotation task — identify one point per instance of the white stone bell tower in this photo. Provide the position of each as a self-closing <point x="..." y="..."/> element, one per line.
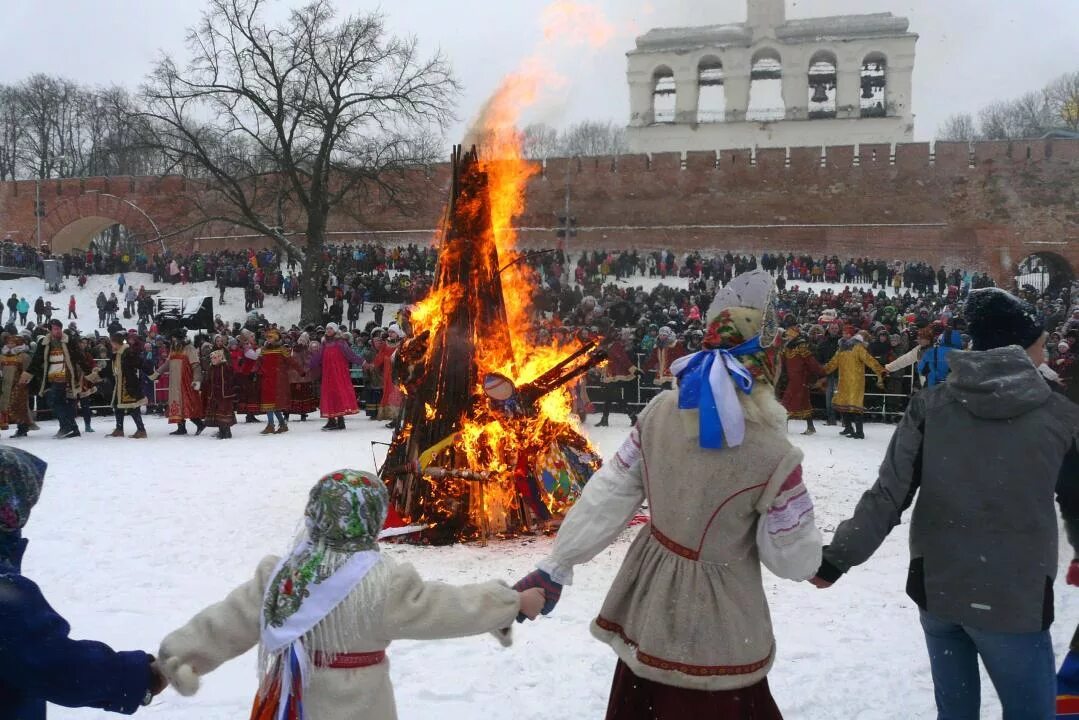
<point x="765" y="14"/>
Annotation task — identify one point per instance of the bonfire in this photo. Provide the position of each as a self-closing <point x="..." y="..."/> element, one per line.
<point x="489" y="446"/>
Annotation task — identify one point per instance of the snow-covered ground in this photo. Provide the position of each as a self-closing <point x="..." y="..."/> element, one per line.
<point x="132" y="537"/>
<point x="276" y="308"/>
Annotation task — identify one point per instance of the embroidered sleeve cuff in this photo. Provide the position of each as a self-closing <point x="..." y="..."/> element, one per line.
<point x="829" y="572"/>
<point x="561" y="574"/>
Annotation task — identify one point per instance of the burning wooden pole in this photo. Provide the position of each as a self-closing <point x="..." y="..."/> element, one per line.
<point x="463" y="457"/>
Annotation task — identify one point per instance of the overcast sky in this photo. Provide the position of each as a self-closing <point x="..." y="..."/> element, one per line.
<point x="970" y="53"/>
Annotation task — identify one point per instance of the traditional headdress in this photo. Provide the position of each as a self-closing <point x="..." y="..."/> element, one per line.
<point x="21" y="478"/>
<point x="338" y="548"/>
<point x="741" y="326"/>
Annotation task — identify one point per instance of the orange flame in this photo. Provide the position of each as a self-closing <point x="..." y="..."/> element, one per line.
<point x="486" y="440"/>
<point x="576" y="22"/>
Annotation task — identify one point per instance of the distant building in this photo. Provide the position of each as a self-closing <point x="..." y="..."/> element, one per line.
<point x="772" y="82"/>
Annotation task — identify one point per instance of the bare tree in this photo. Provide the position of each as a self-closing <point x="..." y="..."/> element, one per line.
<point x="593" y="139"/>
<point x="539" y="141"/>
<point x="289" y="122"/>
<point x="1063" y="97"/>
<point x="11" y="132"/>
<point x="958" y="128"/>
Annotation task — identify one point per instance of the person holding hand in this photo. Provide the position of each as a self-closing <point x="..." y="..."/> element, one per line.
<point x="39" y="662"/>
<point x="687" y="615"/>
<point x="981" y="459"/>
<point x="324" y="614"/>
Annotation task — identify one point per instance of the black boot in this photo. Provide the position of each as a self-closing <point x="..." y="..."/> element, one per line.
<point x="602" y="421"/>
<point x="226" y="432"/>
<point x="341" y="423"/>
<point x="848" y="430"/>
<point x="331" y="424"/>
<point x="181" y="429"/>
<point x="199" y="426"/>
<point x="858" y="434"/>
<point x="303" y="417"/>
<point x="251" y="418"/>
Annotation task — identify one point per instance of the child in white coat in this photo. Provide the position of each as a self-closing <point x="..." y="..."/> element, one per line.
<point x="324" y="615"/>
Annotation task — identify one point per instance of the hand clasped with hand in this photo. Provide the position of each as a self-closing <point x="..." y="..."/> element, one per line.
<point x="552" y="591"/>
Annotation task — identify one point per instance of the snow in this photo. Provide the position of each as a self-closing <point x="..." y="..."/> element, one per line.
<point x="133" y="537"/>
<point x="276" y="309"/>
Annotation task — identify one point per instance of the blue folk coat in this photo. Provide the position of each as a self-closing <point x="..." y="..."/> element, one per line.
<point x="39" y="663"/>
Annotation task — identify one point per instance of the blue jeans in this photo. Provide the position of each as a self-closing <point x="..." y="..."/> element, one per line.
<point x="62" y="406"/>
<point x="275" y="414"/>
<point x="1020" y="665"/>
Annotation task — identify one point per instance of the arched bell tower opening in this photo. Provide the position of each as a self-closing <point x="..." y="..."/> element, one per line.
<point x="711" y="97"/>
<point x="1044" y="272"/>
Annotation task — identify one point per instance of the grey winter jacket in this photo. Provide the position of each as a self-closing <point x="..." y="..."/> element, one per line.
<point x="985" y="453"/>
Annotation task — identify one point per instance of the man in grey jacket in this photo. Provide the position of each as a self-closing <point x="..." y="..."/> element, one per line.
<point x="985" y="453"/>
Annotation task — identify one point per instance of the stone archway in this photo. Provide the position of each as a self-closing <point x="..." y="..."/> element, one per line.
<point x="1045" y="272"/>
<point x="72" y="223"/>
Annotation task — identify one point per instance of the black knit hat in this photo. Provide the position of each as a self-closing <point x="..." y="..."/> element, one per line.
<point x="998" y="319"/>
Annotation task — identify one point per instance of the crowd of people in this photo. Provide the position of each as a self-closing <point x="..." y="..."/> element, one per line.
<point x="890" y="318"/>
<point x="983" y="542"/>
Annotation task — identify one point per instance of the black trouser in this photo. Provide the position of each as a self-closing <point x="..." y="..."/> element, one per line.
<point x="372" y="398"/>
<point x="86" y="411"/>
<point x="616" y="397"/>
<point x="136" y="415"/>
<point x="61" y="405"/>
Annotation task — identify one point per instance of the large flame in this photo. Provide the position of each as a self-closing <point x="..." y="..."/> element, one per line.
<point x="503" y="449"/>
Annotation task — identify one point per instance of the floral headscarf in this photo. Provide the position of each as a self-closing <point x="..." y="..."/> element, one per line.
<point x="21" y="478"/>
<point x="345" y="513"/>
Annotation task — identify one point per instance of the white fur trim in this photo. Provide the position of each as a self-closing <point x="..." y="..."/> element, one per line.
<point x="504" y="636"/>
<point x="181" y="677"/>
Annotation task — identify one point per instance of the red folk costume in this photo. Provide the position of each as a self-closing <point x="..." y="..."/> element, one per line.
<point x="220" y="392"/>
<point x="273" y="371"/>
<point x="245" y="367"/>
<point x="301" y="381"/>
<point x="185" y="399"/>
<point x="392" y="398"/>
<point x="660" y="362"/>
<point x="338" y="396"/>
<point x="801" y="370"/>
<point x="619" y="367"/>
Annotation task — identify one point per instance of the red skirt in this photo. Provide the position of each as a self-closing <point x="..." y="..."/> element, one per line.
<point x="303" y="398"/>
<point x="634" y="698"/>
<point x="247" y="393"/>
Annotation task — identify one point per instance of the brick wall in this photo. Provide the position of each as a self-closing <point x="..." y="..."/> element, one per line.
<point x="984" y="207"/>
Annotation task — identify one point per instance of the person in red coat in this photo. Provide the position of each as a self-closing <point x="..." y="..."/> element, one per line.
<point x="338" y="398"/>
<point x="619" y="378"/>
<point x="801" y="369"/>
<point x="275" y="397"/>
<point x="301" y="382"/>
<point x="221" y="395"/>
<point x="245" y="374"/>
<point x="667" y="350"/>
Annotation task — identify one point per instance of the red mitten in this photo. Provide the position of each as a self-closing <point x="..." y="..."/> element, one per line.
<point x="1073" y="573"/>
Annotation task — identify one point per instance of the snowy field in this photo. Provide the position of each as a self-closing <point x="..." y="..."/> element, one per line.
<point x="131" y="538"/>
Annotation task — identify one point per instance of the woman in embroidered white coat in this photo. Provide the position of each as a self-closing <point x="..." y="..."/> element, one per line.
<point x="686" y="614"/>
<point x="324" y="615"/>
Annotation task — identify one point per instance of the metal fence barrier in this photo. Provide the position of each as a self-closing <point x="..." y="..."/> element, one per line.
<point x="883" y="406"/>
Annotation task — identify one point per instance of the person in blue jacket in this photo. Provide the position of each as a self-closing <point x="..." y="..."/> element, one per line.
<point x="934" y="364"/>
<point x="39" y="663"/>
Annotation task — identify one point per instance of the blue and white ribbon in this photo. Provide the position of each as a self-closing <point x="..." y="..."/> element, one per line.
<point x="708" y="382"/>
